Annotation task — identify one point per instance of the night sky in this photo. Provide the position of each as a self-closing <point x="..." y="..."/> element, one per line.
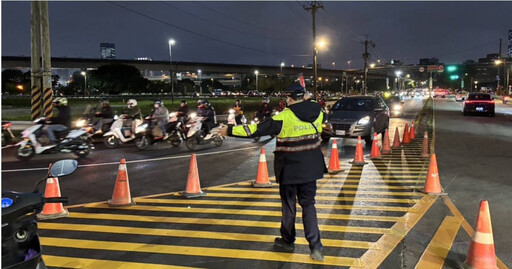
<point x="265" y="32"/>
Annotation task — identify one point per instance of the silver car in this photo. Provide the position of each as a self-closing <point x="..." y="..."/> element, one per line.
<point x="355" y="116"/>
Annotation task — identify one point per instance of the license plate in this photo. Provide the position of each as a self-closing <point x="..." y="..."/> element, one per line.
<point x="340" y="132"/>
<point x="479" y="109"/>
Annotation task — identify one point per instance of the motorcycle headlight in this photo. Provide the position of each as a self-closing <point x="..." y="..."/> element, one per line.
<point x="141" y="128"/>
<point x="116" y="117"/>
<point x="397" y="107"/>
<point x="276" y="113"/>
<point x="231" y="111"/>
<point x="193" y="115"/>
<point x="80" y="123"/>
<point x="364" y="120"/>
<point x="253" y="122"/>
<point x="173" y="114"/>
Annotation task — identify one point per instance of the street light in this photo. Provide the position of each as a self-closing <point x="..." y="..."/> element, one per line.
<point x="282" y="65"/>
<point x="171" y="43"/>
<point x="349" y="62"/>
<point x="372" y="65"/>
<point x="333" y="65"/>
<point x="498" y="62"/>
<point x="378" y="62"/>
<point x="84" y="73"/>
<point x="200" y="82"/>
<point x="256" y="73"/>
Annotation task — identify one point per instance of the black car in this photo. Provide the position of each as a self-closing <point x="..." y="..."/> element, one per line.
<point x="355" y="116"/>
<point x="481" y="103"/>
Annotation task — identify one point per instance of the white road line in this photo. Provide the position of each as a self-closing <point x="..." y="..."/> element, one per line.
<point x="135" y="161"/>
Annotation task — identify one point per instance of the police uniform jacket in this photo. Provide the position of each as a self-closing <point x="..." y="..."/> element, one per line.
<point x="298" y="155"/>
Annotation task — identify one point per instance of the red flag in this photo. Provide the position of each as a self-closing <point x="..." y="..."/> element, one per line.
<point x="302" y="83"/>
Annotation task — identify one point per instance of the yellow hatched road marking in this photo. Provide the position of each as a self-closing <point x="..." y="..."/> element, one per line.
<point x="223" y="222"/>
<point x="268" y="204"/>
<point x="194" y="234"/>
<point x="247" y="212"/>
<point x="376" y="176"/>
<point x="325" y="184"/>
<point x="386" y="168"/>
<point x="197" y="251"/>
<point x="388" y="242"/>
<point x="317" y="198"/>
<point x="74" y="262"/>
<point x="369" y="182"/>
<point x="387" y="172"/>
<point x="440" y="245"/>
<point x="231" y="189"/>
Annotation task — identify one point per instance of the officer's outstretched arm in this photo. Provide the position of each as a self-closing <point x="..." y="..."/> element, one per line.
<point x="267" y="127"/>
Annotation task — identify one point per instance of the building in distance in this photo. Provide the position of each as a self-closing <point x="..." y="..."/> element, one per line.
<point x="108" y="50"/>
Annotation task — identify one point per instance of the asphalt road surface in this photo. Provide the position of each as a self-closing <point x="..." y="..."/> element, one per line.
<point x="474" y="156"/>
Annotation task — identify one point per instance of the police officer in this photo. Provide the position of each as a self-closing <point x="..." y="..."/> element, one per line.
<point x="298" y="163"/>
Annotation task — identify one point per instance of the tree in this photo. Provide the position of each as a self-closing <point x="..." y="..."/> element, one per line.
<point x="185" y="85"/>
<point x="117" y="78"/>
<point x="14" y="81"/>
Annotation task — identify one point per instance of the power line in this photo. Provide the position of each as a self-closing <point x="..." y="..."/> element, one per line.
<point x="190" y="31"/>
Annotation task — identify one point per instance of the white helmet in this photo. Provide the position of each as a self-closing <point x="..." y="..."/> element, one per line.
<point x="131" y="103"/>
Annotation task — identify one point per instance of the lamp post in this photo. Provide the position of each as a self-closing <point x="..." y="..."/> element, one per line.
<point x="398" y="73"/>
<point x="334" y="65"/>
<point x="200" y="82"/>
<point x="282" y="65"/>
<point x="378" y="62"/>
<point x="84" y="73"/>
<point x="171" y="43"/>
<point x="256" y="73"/>
<point x="349" y="62"/>
<point x="498" y="62"/>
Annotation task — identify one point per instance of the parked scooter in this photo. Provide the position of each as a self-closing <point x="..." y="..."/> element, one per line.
<point x="148" y="133"/>
<point x="196" y="135"/>
<point x="119" y="133"/>
<point x="75" y="141"/>
<point x="7" y="136"/>
<point x="21" y="248"/>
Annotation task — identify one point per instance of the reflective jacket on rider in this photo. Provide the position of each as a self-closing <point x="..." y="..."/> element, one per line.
<point x="298" y="155"/>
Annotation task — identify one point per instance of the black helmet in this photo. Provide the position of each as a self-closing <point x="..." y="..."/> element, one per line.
<point x="205" y="102"/>
<point x="295" y="91"/>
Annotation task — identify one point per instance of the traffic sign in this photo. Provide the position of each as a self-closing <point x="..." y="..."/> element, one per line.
<point x="440" y="68"/>
<point x="433" y="68"/>
<point x="422" y="69"/>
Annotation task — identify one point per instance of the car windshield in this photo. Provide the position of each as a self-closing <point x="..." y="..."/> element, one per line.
<point x="352" y="104"/>
<point x="481" y="96"/>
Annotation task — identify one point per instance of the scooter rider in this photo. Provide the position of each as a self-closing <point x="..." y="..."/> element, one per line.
<point x="131" y="112"/>
<point x="298" y="163"/>
<point x="161" y="116"/>
<point x="106" y="114"/>
<point x="239" y="111"/>
<point x="61" y="122"/>
<point x="208" y="114"/>
<point x="183" y="109"/>
<point x="265" y="110"/>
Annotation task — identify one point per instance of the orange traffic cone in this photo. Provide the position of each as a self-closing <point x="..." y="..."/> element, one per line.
<point x="432" y="183"/>
<point x="359" y="158"/>
<point x="262" y="175"/>
<point x="424" y="150"/>
<point x="412" y="136"/>
<point x="193" y="188"/>
<point x="386" y="148"/>
<point x="396" y="142"/>
<point x="405" y="139"/>
<point x="334" y="162"/>
<point x="52" y="210"/>
<point x="481" y="252"/>
<point x="375" y="153"/>
<point x="121" y="195"/>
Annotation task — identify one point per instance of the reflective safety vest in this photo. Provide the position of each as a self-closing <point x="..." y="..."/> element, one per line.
<point x="297" y="135"/>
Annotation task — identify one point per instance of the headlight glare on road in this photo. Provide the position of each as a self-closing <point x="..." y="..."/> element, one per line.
<point x="141" y="128"/>
<point x="364" y="120"/>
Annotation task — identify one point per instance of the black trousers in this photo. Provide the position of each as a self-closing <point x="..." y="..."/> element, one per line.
<point x="306" y="195"/>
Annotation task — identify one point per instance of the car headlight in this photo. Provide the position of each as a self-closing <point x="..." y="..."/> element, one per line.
<point x="173" y="114"/>
<point x="397" y="107"/>
<point x="364" y="120"/>
<point x="80" y="123"/>
<point x="141" y="128"/>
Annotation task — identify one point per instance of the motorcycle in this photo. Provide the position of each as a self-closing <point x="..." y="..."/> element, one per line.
<point x="257" y="120"/>
<point x="196" y="135"/>
<point x="7" y="136"/>
<point x="75" y="141"/>
<point x="148" y="133"/>
<point x="21" y="247"/>
<point x="119" y="133"/>
<point x="232" y="118"/>
<point x="87" y="121"/>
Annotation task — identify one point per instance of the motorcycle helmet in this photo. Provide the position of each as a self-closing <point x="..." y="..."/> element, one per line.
<point x="205" y="103"/>
<point x="159" y="102"/>
<point x="60" y="101"/>
<point x="131" y="103"/>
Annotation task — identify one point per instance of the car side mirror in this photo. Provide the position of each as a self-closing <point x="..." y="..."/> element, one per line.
<point x="63" y="168"/>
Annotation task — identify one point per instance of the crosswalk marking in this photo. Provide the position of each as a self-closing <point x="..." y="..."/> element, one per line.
<point x="268" y="204"/>
<point x="197" y="251"/>
<point x="75" y="262"/>
<point x="195" y="234"/>
<point x="249" y="212"/>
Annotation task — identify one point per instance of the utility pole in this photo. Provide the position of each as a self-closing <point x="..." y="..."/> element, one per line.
<point x="313" y="6"/>
<point x="366" y="56"/>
